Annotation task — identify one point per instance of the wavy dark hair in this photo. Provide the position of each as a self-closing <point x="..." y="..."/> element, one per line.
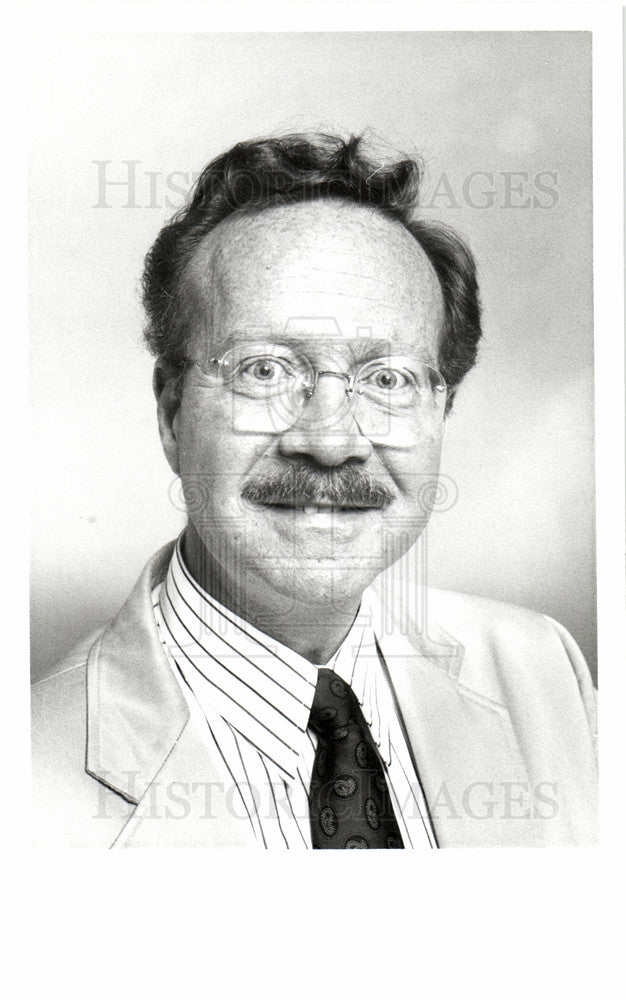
<point x="280" y="170"/>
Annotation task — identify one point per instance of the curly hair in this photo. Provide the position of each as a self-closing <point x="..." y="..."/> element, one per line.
<point x="262" y="173"/>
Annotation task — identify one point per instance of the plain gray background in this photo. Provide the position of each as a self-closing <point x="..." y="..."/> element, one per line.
<point x="503" y="122"/>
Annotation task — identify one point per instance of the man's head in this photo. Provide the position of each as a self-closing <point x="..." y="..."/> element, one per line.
<point x="297" y="266"/>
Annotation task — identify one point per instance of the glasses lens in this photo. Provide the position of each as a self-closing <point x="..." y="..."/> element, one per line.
<point x="268" y="384"/>
<point x="393" y="396"/>
<point x="397" y="384"/>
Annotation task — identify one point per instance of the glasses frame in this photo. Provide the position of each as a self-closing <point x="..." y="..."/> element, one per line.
<point x="310" y="386"/>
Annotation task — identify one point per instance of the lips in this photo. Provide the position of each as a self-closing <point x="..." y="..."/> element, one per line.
<point x="313" y="508"/>
<point x="320" y="507"/>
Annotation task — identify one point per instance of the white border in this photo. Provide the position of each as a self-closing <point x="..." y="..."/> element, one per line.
<point x="309" y="15"/>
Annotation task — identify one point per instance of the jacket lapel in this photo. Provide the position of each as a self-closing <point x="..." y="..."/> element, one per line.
<point x="188" y="803"/>
<point x="141" y="743"/>
<point x="464" y="746"/>
<point x="135" y="709"/>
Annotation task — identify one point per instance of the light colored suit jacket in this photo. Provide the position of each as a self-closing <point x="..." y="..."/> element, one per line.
<point x="496" y="701"/>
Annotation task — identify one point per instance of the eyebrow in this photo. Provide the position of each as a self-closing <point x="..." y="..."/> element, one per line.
<point x="356" y="346"/>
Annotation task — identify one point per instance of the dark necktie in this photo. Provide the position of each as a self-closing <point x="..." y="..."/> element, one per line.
<point x="349" y="801"/>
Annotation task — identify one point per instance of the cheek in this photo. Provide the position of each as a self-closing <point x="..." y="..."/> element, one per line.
<point x="414" y="473"/>
<point x="200" y="437"/>
<point x="416" y="468"/>
<point x="213" y="459"/>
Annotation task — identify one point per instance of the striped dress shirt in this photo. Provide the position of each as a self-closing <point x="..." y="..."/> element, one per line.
<point x="250" y="696"/>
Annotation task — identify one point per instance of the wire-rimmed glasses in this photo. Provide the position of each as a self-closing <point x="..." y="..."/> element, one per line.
<point x="271" y="385"/>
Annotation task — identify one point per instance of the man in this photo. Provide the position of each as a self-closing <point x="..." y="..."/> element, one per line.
<point x="310" y="336"/>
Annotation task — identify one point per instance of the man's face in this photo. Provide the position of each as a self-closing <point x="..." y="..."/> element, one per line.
<point x="342" y="285"/>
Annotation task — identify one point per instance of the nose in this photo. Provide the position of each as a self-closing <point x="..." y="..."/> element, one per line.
<point x="326" y="430"/>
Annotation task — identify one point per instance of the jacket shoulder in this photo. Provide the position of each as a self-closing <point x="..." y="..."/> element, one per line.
<point x="501" y="632"/>
<point x="484" y="613"/>
<point x="516" y="655"/>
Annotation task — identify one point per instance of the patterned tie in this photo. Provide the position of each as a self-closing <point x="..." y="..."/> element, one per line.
<point x="349" y="801"/>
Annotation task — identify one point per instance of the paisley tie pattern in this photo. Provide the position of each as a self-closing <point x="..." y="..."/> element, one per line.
<point x="349" y="801"/>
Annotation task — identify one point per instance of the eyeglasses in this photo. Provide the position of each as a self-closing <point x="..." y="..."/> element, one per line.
<point x="270" y="386"/>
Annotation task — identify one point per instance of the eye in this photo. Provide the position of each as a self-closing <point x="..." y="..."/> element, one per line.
<point x="263" y="369"/>
<point x="261" y="374"/>
<point x="387" y="379"/>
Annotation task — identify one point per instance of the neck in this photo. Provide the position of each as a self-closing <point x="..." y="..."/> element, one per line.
<point x="314" y="631"/>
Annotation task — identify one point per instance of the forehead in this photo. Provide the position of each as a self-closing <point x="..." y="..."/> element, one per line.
<point x="325" y="269"/>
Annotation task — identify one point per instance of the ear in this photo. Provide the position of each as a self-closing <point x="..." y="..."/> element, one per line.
<point x="168" y="393"/>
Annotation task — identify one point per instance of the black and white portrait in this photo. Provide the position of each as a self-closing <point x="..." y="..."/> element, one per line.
<point x="312" y="334"/>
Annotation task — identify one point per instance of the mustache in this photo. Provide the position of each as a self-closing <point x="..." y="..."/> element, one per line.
<point x="346" y="486"/>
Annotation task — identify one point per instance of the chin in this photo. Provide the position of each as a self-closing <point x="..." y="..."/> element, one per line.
<point x="322" y="582"/>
